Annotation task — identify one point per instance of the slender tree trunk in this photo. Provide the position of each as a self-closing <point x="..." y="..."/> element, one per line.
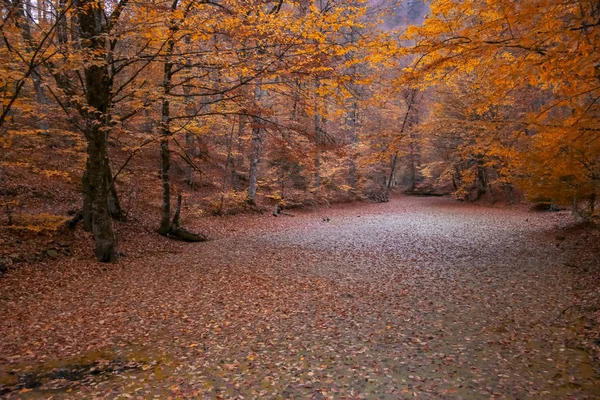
<point x="146" y="125"/>
<point x="318" y="122"/>
<point x="414" y="161"/>
<point x="410" y="99"/>
<point x="392" y="171"/>
<point x="254" y="160"/>
<point x="75" y="36"/>
<point x="41" y="98"/>
<point x="177" y="216"/>
<point x="317" y="176"/>
<point x="296" y="97"/>
<point x="189" y="170"/>
<point x="257" y="137"/>
<point x="353" y="136"/>
<point x="354" y="121"/>
<point x="29" y="11"/>
<point x="165" y="165"/>
<point x="165" y="155"/>
<point x="62" y="31"/>
<point x="87" y="199"/>
<point x="237" y="162"/>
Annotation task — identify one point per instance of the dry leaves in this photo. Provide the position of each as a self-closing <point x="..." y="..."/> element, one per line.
<point x="418" y="297"/>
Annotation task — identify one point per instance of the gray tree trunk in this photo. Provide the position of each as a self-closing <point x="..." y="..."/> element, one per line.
<point x="414" y="160"/>
<point x="352" y="170"/>
<point x="257" y="137"/>
<point x="318" y="126"/>
<point x="254" y="160"/>
<point x="87" y="201"/>
<point x="238" y="162"/>
<point x="165" y="156"/>
<point x="317" y="160"/>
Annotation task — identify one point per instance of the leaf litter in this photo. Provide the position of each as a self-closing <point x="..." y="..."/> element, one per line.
<point x="419" y="297"/>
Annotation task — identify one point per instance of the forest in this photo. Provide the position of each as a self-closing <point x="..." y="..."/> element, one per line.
<point x="131" y="130"/>
<point x="234" y="105"/>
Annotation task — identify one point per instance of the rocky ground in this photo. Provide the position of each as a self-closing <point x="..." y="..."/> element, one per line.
<point x="416" y="298"/>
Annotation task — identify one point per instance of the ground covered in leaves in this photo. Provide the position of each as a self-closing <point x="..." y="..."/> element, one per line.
<point x="419" y="297"/>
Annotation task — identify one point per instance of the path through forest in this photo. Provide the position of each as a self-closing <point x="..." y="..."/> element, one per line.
<point x="417" y="298"/>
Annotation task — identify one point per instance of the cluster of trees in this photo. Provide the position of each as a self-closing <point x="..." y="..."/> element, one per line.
<point x="513" y="91"/>
<point x="261" y="97"/>
<point x="180" y="74"/>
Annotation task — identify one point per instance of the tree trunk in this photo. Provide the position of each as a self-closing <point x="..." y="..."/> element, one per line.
<point x="97" y="84"/>
<point x="165" y="156"/>
<point x="318" y="140"/>
<point x="165" y="164"/>
<point x="481" y="182"/>
<point x="257" y="134"/>
<point x="114" y="205"/>
<point x="414" y="160"/>
<point x="87" y="203"/>
<point x="74" y="31"/>
<point x="29" y="12"/>
<point x="102" y="230"/>
<point x="352" y="170"/>
<point x="317" y="165"/>
<point x="41" y="98"/>
<point x="177" y="215"/>
<point x="146" y="126"/>
<point x="508" y="189"/>
<point x="40" y="6"/>
<point x="254" y="160"/>
<point x="237" y="162"/>
<point x="62" y="30"/>
<point x="392" y="171"/>
<point x="189" y="170"/>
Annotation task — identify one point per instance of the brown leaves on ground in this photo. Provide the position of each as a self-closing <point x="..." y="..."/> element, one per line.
<point x="418" y="297"/>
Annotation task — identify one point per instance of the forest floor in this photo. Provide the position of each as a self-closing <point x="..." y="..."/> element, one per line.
<point x="416" y="298"/>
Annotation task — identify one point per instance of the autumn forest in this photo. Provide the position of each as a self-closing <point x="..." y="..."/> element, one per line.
<point x="396" y="162"/>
